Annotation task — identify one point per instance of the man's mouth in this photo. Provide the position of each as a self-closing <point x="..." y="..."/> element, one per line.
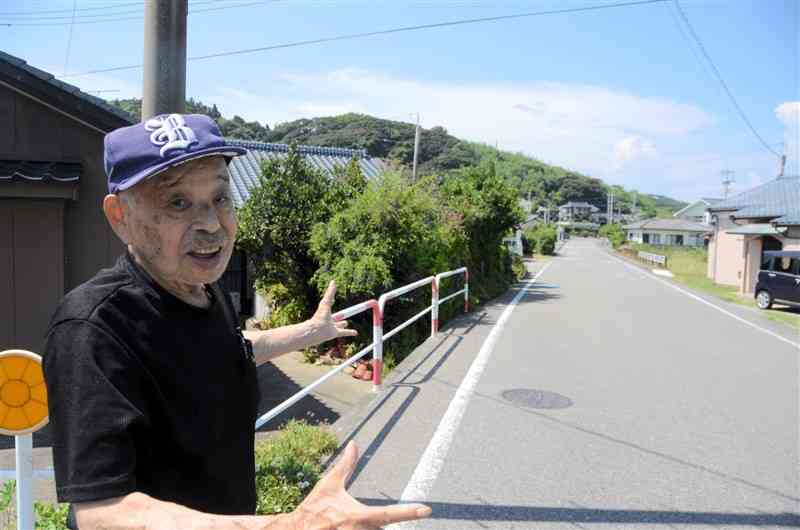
<point x="206" y="253"/>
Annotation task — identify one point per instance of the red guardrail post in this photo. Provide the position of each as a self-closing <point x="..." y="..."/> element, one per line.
<point x="434" y="307"/>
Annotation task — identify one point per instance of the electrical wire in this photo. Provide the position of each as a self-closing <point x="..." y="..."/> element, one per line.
<point x="722" y="82"/>
<point x="69" y="39"/>
<point x="97" y="8"/>
<point x="140" y="15"/>
<point x="419" y="27"/>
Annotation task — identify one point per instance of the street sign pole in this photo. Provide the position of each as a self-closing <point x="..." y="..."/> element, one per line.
<point x="24" y="464"/>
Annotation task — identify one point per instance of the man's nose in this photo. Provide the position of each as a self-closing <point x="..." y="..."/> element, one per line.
<point x="206" y="219"/>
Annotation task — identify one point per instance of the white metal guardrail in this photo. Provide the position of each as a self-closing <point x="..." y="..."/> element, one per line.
<point x="378" y="308"/>
<point x="656" y="259"/>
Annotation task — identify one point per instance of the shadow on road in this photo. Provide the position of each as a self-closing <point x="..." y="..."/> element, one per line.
<point x="482" y="512"/>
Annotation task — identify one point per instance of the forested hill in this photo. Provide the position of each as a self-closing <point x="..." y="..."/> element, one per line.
<point x="439" y="151"/>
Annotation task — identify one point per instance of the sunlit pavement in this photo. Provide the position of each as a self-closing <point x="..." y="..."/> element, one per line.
<point x="610" y="400"/>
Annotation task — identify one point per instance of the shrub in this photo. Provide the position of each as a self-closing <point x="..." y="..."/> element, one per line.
<point x="520" y="271"/>
<point x="289" y="465"/>
<point x="614" y="233"/>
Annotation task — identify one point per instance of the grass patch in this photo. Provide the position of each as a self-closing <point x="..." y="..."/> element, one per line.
<point x="689" y="265"/>
<point x="289" y="465"/>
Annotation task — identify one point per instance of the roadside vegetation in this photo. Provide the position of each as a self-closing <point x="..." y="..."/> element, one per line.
<point x="301" y="229"/>
<point x="289" y="465"/>
<point x="540" y="240"/>
<point x="689" y="266"/>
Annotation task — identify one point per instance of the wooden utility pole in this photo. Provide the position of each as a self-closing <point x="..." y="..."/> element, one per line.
<point x="416" y="150"/>
<point x="164" y="88"/>
<point x="782" y="166"/>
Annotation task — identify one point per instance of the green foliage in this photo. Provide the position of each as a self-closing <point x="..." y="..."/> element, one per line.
<point x="275" y="223"/>
<point x="387" y="236"/>
<point x="289" y="465"/>
<point x="614" y="233"/>
<point x="518" y="266"/>
<point x="541" y="239"/>
<point x="51" y="516"/>
<point x="284" y="308"/>
<point x="48" y="516"/>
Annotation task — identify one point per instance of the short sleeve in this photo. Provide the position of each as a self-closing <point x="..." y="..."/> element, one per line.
<point x="98" y="412"/>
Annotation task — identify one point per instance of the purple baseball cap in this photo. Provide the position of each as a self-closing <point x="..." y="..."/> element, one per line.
<point x="135" y="153"/>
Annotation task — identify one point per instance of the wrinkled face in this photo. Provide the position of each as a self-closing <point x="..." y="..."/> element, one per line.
<point x="181" y="224"/>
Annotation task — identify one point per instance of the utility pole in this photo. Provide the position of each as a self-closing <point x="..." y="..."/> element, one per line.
<point x="782" y="166"/>
<point x="416" y="150"/>
<point x="164" y="88"/>
<point x="727" y="181"/>
<point x="610" y="207"/>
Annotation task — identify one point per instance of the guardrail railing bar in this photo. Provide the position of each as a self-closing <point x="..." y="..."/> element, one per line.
<point x="378" y="338"/>
<point x="400" y="291"/>
<point x="448" y="297"/>
<point x="307" y="390"/>
<point x="405" y="324"/>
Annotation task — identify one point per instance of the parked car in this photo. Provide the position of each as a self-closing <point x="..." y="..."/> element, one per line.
<point x="779" y="278"/>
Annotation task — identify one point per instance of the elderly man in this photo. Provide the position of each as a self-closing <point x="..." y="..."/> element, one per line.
<point x="153" y="393"/>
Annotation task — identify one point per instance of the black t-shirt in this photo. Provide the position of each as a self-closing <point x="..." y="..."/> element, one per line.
<point x="148" y="393"/>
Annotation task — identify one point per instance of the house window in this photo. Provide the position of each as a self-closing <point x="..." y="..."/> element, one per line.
<point x="655" y="239"/>
<point x="679" y="240"/>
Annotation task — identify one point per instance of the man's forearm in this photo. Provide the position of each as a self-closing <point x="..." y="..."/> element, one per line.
<point x="272" y="343"/>
<point x="138" y="511"/>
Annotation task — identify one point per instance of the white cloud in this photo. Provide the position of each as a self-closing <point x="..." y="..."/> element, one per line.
<point x="634" y="148"/>
<point x="605" y="133"/>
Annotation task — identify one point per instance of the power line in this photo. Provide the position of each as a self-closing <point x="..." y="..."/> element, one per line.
<point x="119" y="19"/>
<point x="388" y="32"/>
<point x="97" y="8"/>
<point x="69" y="39"/>
<point x="722" y="81"/>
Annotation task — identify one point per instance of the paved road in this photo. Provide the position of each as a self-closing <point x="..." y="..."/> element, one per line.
<point x="670" y="413"/>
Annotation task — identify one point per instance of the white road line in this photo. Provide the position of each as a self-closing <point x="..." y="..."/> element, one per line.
<point x="429" y="466"/>
<point x="709" y="304"/>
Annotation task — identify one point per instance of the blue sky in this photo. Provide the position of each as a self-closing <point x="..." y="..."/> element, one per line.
<point x="619" y="94"/>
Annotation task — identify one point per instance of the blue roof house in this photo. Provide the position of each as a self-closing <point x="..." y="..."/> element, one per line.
<point x="744" y="226"/>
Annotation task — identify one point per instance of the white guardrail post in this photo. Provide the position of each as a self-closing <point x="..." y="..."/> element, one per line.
<point x="24" y="463"/>
<point x="377" y="347"/>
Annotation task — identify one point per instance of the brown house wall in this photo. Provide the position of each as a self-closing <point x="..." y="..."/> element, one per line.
<point x="30" y="130"/>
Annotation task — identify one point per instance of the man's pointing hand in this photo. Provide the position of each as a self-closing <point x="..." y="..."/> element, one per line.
<point x="330" y="507"/>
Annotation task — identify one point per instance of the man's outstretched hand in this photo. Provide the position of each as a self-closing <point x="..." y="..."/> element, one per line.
<point x="330" y="507"/>
<point x="325" y="327"/>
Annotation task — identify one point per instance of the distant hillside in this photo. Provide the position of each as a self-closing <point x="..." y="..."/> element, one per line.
<point x="439" y="151"/>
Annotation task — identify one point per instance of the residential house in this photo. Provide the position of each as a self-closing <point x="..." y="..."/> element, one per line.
<point x="697" y="211"/>
<point x="672" y="232"/>
<point x="576" y="211"/>
<point x="744" y="226"/>
<point x="245" y="171"/>
<point x="53" y="234"/>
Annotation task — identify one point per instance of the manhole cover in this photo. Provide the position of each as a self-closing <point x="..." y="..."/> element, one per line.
<point x="536" y="399"/>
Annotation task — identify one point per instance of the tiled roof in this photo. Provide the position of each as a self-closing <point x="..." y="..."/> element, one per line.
<point x="40" y="171"/>
<point x="246" y="169"/>
<point x="572" y="204"/>
<point x="778" y="199"/>
<point x="668" y="224"/>
<point x="66" y="87"/>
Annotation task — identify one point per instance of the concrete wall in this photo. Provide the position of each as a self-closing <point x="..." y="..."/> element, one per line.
<point x="726" y="253"/>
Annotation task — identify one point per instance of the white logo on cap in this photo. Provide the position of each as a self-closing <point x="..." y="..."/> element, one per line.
<point x="170" y="132"/>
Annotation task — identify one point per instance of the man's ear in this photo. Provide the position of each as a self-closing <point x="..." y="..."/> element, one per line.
<point x="115" y="213"/>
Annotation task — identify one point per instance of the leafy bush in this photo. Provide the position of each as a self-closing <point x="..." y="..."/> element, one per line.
<point x="289" y="465"/>
<point x="284" y="308"/>
<point x="520" y="271"/>
<point x="48" y="516"/>
<point x="614" y="233"/>
<point x="276" y="221"/>
<point x="541" y="239"/>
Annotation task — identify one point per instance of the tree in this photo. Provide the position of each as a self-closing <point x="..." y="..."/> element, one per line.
<point x="275" y="223"/>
